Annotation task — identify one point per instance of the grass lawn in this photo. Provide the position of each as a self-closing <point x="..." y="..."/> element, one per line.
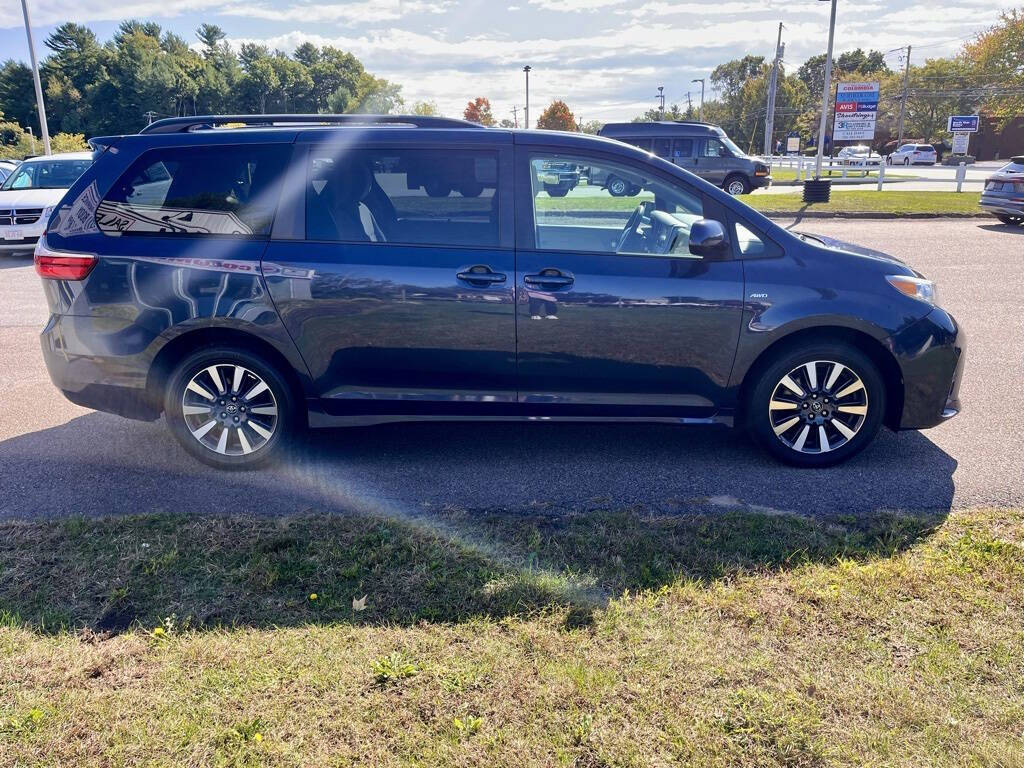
<point x="739" y="638"/>
<point x="899" y="202"/>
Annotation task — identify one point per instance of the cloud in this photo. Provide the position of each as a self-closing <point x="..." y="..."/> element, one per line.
<point x="575" y="6"/>
<point x="361" y="12"/>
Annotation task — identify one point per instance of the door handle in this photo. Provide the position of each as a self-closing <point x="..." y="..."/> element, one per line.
<point x="481" y="275"/>
<point x="550" y="278"/>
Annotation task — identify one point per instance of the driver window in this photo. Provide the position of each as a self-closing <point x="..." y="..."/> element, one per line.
<point x="714" y="148"/>
<point x="585" y="204"/>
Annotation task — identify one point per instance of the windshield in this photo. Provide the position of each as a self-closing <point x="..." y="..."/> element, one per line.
<point x="46" y="174"/>
<point x="732" y="146"/>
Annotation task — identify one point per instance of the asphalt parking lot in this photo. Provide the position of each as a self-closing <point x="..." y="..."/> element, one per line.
<point x="59" y="459"/>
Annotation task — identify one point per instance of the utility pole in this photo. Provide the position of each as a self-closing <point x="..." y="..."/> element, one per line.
<point x="769" y="120"/>
<point x="661" y="98"/>
<point x="149" y="116"/>
<point x="515" y="115"/>
<point x="825" y="90"/>
<point x="35" y="77"/>
<point x="689" y="105"/>
<point x="526" y="109"/>
<point x="700" y="111"/>
<point x="903" y="101"/>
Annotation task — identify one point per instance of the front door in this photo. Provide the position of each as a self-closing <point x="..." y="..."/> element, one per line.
<point x="615" y="316"/>
<point x="714" y="161"/>
<point x="400" y="295"/>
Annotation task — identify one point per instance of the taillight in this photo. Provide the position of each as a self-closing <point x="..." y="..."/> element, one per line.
<point x="59" y="265"/>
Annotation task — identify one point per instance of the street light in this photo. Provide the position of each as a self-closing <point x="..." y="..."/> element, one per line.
<point x="700" y="109"/>
<point x="825" y="90"/>
<point x="35" y="77"/>
<point x="526" y="111"/>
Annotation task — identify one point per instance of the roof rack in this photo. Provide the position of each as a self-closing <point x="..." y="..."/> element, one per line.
<point x="209" y="122"/>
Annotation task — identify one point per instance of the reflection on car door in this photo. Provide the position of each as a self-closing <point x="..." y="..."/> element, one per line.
<point x="607" y="320"/>
<point x="399" y="290"/>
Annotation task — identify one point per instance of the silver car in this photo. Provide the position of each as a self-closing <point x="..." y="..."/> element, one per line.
<point x="1004" y="192"/>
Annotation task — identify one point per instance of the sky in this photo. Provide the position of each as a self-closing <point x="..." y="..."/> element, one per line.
<point x="605" y="58"/>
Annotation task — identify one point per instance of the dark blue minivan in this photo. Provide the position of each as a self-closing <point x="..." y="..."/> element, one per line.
<point x="248" y="277"/>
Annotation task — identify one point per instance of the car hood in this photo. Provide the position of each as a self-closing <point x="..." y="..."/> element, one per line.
<point x="833" y="244"/>
<point x="30" y="198"/>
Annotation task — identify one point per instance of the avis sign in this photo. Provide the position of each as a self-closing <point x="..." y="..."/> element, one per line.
<point x="856" y="111"/>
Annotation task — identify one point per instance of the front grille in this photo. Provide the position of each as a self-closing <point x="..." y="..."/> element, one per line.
<point x="13" y="216"/>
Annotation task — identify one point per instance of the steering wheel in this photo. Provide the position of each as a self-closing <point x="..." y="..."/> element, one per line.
<point x="630" y="230"/>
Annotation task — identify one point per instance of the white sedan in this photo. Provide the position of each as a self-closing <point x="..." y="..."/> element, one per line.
<point x="29" y="195"/>
<point x="858" y="155"/>
<point x="913" y="154"/>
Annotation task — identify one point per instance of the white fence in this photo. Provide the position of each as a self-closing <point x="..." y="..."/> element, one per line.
<point x="858" y="169"/>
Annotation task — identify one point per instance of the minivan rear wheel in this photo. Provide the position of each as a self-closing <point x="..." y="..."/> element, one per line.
<point x="1011" y="220"/>
<point x="229" y="408"/>
<point x="737" y="185"/>
<point x="617" y="187"/>
<point x="817" y="404"/>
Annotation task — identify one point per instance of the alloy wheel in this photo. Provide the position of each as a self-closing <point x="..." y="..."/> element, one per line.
<point x="229" y="409"/>
<point x="818" y="407"/>
<point x="735" y="188"/>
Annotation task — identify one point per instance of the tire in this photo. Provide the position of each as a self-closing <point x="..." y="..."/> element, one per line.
<point x="737" y="185"/>
<point x="859" y="387"/>
<point x="635" y="190"/>
<point x="437" y="189"/>
<point x="556" y="191"/>
<point x="617" y="187"/>
<point x="258" y="438"/>
<point x="471" y="189"/>
<point x="1013" y="221"/>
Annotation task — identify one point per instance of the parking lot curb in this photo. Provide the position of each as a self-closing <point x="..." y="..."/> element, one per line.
<point x="869" y="215"/>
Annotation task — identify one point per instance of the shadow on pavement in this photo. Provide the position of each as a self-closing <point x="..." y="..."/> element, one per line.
<point x="433" y="522"/>
<point x="9" y="261"/>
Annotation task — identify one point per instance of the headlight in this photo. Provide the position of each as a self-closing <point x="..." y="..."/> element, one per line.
<point x="914" y="287"/>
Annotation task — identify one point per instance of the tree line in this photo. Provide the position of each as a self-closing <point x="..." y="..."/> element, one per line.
<point x="144" y="73"/>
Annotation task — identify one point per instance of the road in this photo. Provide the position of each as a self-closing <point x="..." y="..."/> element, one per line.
<point x="59" y="459"/>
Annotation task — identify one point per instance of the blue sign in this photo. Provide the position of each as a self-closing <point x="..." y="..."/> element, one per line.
<point x="963" y="124"/>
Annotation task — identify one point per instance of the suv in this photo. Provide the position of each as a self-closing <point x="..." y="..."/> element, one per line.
<point x="700" y="148"/>
<point x="913" y="154"/>
<point x="248" y="282"/>
<point x="1003" y="195"/>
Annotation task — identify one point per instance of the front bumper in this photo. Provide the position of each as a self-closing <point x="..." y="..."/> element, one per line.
<point x="28" y="236"/>
<point x="757" y="182"/>
<point x="931" y="355"/>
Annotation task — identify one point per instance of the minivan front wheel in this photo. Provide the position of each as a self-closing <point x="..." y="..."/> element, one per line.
<point x="737" y="185"/>
<point x="229" y="408"/>
<point x="817" y="405"/>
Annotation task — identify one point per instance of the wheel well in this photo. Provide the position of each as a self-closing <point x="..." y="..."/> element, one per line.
<point x="176" y="349"/>
<point x="880" y="356"/>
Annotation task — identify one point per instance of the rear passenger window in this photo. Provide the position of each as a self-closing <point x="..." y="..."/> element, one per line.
<point x="644" y="144"/>
<point x="663" y="147"/>
<point x="682" y="148"/>
<point x="190" y="191"/>
<point x="419" y="197"/>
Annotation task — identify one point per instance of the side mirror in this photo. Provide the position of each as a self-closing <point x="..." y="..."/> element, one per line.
<point x="708" y="239"/>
